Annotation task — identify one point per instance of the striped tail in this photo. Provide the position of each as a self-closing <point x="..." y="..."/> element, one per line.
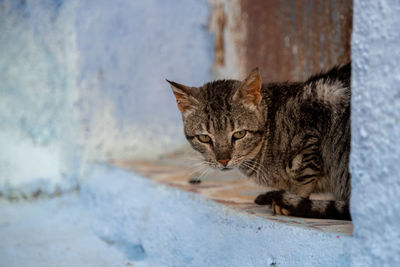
<point x="286" y="203"/>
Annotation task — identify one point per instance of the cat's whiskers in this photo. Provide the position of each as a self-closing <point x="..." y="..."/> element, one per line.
<point x="203" y="174"/>
<point x="257" y="168"/>
<point x="197" y="166"/>
<point x="261" y="168"/>
<point x="201" y="169"/>
<point x="249" y="166"/>
<point x="257" y="176"/>
<point x="191" y="160"/>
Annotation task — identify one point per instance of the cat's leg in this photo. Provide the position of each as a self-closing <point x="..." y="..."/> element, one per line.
<point x="303" y="172"/>
<point x="304" y="168"/>
<point x="286" y="203"/>
<point x="268" y="199"/>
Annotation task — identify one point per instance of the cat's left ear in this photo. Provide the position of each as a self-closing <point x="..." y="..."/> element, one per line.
<point x="249" y="92"/>
<point x="182" y="93"/>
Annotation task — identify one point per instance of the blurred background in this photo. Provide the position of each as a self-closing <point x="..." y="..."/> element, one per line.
<point x="84" y="81"/>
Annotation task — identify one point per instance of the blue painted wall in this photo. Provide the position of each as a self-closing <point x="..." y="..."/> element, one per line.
<point x="85" y="80"/>
<point x="375" y="168"/>
<point x="38" y="74"/>
<point x="126" y="51"/>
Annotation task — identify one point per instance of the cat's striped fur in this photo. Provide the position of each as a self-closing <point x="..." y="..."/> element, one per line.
<point x="296" y="136"/>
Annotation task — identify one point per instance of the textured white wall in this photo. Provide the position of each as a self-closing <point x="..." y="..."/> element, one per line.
<point x="85" y="80"/>
<point x="375" y="155"/>
<point x="126" y="51"/>
<point x="38" y="74"/>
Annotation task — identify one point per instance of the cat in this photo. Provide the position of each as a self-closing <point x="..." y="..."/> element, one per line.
<point x="293" y="137"/>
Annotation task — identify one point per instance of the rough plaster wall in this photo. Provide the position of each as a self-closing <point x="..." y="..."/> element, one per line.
<point x="127" y="50"/>
<point x="85" y="80"/>
<point x="38" y="74"/>
<point x="375" y="168"/>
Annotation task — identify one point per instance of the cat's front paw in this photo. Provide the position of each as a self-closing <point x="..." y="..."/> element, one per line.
<point x="273" y="198"/>
<point x="269" y="197"/>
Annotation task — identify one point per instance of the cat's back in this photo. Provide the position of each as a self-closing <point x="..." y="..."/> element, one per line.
<point x="313" y="102"/>
<point x="331" y="88"/>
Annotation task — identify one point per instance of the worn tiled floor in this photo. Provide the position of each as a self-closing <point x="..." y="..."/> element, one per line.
<point x="227" y="188"/>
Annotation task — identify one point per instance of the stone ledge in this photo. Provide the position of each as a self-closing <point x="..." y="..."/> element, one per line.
<point x="121" y="219"/>
<point x="174" y="227"/>
<point x="227" y="188"/>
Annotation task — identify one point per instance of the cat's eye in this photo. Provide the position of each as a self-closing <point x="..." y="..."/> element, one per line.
<point x="204" y="138"/>
<point x="239" y="134"/>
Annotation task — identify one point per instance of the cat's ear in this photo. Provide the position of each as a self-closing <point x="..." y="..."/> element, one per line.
<point x="249" y="92"/>
<point x="182" y="93"/>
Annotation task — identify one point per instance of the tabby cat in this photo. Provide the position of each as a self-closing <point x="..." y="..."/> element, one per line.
<point x="293" y="137"/>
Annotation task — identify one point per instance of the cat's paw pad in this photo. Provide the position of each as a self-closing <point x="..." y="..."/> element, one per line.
<point x="273" y="198"/>
<point x="276" y="209"/>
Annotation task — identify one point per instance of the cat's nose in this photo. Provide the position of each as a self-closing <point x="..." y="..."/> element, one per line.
<point x="224" y="161"/>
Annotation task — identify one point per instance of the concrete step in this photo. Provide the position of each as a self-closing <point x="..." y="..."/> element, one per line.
<point x="217" y="224"/>
<point x="123" y="219"/>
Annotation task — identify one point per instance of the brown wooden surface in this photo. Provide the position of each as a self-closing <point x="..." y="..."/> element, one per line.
<point x="290" y="40"/>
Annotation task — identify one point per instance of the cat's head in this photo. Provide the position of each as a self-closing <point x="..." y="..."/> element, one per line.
<point x="223" y="120"/>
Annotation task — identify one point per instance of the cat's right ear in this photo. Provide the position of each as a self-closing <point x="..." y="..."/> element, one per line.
<point x="184" y="100"/>
<point x="249" y="92"/>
